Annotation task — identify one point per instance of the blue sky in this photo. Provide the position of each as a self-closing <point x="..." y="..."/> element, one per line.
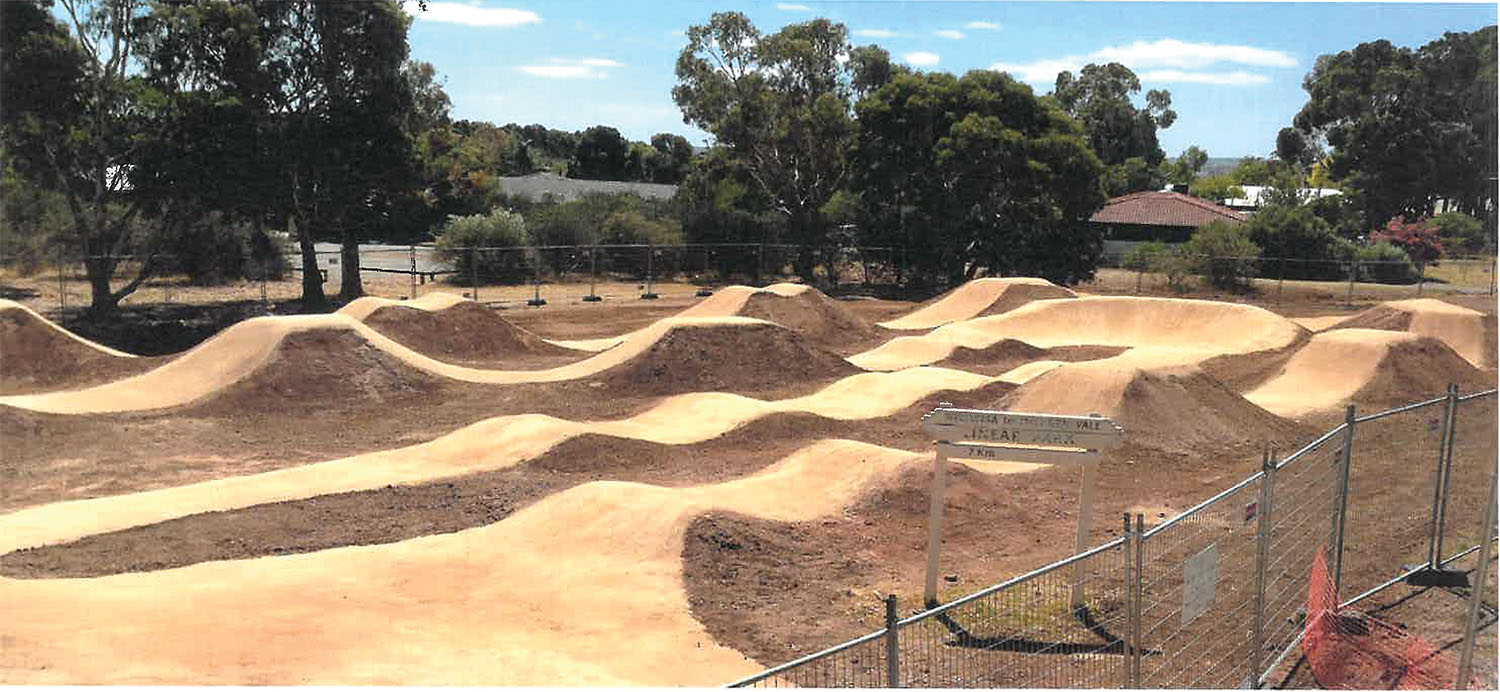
<point x="1234" y="70"/>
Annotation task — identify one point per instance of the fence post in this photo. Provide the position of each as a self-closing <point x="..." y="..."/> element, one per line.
<point x="1128" y="643"/>
<point x="536" y="279"/>
<point x="265" y="300"/>
<point x="760" y="261"/>
<point x="593" y="296"/>
<point x="1353" y="272"/>
<point x="892" y="645"/>
<point x="62" y="287"/>
<point x="1476" y="592"/>
<point x="650" y="260"/>
<point x="1421" y="277"/>
<point x="1281" y="281"/>
<point x="1439" y="481"/>
<point x="411" y="254"/>
<point x="1442" y="517"/>
<point x="474" y="273"/>
<point x="1138" y="537"/>
<point x="1346" y="457"/>
<point x="1262" y="548"/>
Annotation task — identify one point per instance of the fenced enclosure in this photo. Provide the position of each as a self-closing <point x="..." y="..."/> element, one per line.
<point x="1214" y="597"/>
<point x="1271" y="275"/>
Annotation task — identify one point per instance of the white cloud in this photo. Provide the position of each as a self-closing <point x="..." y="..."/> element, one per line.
<point x="1165" y="60"/>
<point x="983" y="26"/>
<point x="1238" y="77"/>
<point x="572" y="68"/>
<point x="875" y="33"/>
<point x="789" y="7"/>
<point x="471" y="15"/>
<point x="949" y="33"/>
<point x="921" y="58"/>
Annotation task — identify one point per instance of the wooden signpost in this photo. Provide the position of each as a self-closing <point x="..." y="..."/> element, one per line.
<point x="1033" y="438"/>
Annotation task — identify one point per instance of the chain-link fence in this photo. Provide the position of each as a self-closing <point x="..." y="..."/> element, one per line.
<point x="1356" y="278"/>
<point x="1215" y="597"/>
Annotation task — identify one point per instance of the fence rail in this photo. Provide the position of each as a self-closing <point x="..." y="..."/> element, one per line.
<point x="1211" y="598"/>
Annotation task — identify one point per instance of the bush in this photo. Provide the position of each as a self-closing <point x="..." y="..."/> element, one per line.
<point x="1387" y="264"/>
<point x="215" y="250"/>
<point x="497" y="232"/>
<point x="1461" y="233"/>
<point x="1298" y="233"/>
<point x="1176" y="265"/>
<point x="1140" y="257"/>
<point x="1224" y="255"/>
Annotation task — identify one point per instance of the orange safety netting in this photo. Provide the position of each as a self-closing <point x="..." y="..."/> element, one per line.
<point x="1348" y="650"/>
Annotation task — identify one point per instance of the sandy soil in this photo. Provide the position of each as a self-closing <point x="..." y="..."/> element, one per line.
<point x="534" y="516"/>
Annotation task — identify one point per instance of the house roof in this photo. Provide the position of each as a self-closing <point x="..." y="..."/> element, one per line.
<point x="1164" y="209"/>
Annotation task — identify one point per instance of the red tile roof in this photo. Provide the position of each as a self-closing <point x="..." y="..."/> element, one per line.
<point x="1164" y="209"/>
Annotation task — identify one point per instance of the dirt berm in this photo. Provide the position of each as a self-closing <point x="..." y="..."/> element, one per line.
<point x="755" y="357"/>
<point x="37" y="355"/>
<point x="464" y="333"/>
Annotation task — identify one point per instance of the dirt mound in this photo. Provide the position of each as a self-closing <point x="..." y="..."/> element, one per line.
<point x="1369" y="367"/>
<point x="1007" y="354"/>
<point x="1470" y="333"/>
<point x="740" y="358"/>
<point x="464" y="333"/>
<point x="1173" y="409"/>
<point x="1418" y="369"/>
<point x="319" y="365"/>
<point x="978" y="298"/>
<point x="38" y="356"/>
<point x="818" y="318"/>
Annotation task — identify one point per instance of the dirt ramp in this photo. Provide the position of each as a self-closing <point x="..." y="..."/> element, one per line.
<point x="311" y="367"/>
<point x="803" y="309"/>
<point x="978" y="298"/>
<point x="1470" y="333"/>
<point x="745" y="357"/>
<point x="1006" y="355"/>
<point x="462" y="333"/>
<point x="37" y="355"/>
<point x="1368" y="367"/>
<point x="1175" y="408"/>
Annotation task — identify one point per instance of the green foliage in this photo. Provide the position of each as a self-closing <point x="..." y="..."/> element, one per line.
<point x="1297" y="233"/>
<point x="1216" y="188"/>
<point x="1121" y="134"/>
<point x="1225" y="255"/>
<point x="500" y="229"/>
<point x="1407" y="127"/>
<point x="780" y="104"/>
<point x="993" y="180"/>
<point x="1185" y="169"/>
<point x="670" y="156"/>
<point x="1385" y="263"/>
<point x="1462" y="234"/>
<point x="602" y="218"/>
<point x="1142" y="255"/>
<point x="217" y="249"/>
<point x="603" y="153"/>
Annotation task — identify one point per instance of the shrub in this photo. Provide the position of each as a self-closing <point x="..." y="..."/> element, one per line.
<point x="1224" y="255"/>
<point x="1461" y="233"/>
<point x="215" y="249"/>
<point x="1297" y="233"/>
<point x="1176" y="265"/>
<point x="1385" y="263"/>
<point x="496" y="232"/>
<point x="1140" y="257"/>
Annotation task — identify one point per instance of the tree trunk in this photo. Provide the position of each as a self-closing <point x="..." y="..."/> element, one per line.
<point x="102" y="300"/>
<point x="350" y="286"/>
<point x="312" y="277"/>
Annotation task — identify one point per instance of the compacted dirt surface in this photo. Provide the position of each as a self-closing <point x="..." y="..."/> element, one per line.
<point x="733" y="488"/>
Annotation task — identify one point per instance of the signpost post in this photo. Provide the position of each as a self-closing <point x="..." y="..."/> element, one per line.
<point x="1035" y="438"/>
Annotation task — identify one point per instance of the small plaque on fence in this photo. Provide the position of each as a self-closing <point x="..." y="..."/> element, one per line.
<point x="1250" y="510"/>
<point x="1199" y="576"/>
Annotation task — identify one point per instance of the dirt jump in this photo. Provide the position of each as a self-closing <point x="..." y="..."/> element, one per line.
<point x="978" y="298"/>
<point x="586" y="583"/>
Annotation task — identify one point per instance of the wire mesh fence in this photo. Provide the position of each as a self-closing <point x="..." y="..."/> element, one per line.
<point x="1353" y="278"/>
<point x="1218" y="596"/>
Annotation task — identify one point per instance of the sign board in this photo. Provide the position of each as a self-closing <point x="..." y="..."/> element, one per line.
<point x="1085" y="432"/>
<point x="1030" y="455"/>
<point x="1199" y="576"/>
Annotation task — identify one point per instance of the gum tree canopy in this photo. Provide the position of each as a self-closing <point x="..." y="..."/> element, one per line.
<point x="976" y="173"/>
<point x="781" y="104"/>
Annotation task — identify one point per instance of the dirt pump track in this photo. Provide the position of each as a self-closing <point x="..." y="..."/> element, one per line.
<point x="586" y="585"/>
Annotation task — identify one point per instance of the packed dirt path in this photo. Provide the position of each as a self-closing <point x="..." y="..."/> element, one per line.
<point x="978" y="298"/>
<point x="611" y="610"/>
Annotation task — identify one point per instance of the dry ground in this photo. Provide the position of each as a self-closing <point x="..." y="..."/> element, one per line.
<point x="773" y="590"/>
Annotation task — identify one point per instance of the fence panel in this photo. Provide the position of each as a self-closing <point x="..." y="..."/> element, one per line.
<point x="1198" y="601"/>
<point x="1391" y="484"/>
<point x="1304" y="524"/>
<point x="1474" y="454"/>
<point x="1026" y="633"/>
<point x="858" y="663"/>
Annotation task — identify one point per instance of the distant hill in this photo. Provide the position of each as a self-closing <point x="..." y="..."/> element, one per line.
<point x="1218" y="165"/>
